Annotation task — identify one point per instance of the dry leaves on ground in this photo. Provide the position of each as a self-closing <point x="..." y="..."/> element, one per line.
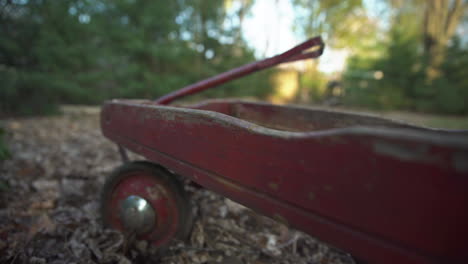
<point x="49" y="208"/>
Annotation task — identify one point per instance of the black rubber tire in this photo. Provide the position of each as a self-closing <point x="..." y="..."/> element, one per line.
<point x="181" y="198"/>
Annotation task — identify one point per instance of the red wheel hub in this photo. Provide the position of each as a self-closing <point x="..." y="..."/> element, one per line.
<point x="157" y="194"/>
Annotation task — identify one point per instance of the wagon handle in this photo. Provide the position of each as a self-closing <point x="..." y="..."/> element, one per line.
<point x="297" y="53"/>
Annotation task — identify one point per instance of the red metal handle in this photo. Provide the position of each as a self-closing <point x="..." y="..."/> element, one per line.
<point x="297" y="53"/>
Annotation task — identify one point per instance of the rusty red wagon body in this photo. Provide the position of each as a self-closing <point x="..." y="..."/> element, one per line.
<point x="385" y="191"/>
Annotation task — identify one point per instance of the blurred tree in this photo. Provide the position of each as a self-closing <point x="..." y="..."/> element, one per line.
<point x="410" y="77"/>
<point x="41" y="49"/>
<point x="338" y="22"/>
<point x="143" y="49"/>
<point x="86" y="51"/>
<point x="244" y="7"/>
<point x="220" y="48"/>
<point x="342" y="25"/>
<point x="441" y="19"/>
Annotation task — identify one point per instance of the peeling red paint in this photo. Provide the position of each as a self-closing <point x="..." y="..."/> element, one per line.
<point x="384" y="205"/>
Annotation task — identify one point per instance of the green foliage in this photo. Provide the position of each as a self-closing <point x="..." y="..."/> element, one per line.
<point x="396" y="51"/>
<point x="316" y="83"/>
<point x="339" y="22"/>
<point x="26" y="93"/>
<point x="404" y="84"/>
<point x="397" y="67"/>
<point x="453" y="85"/>
<point x="85" y="52"/>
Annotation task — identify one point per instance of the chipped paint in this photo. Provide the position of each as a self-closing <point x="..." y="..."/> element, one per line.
<point x="402" y="152"/>
<point x="302" y="209"/>
<point x="167" y="115"/>
<point x="156" y="192"/>
<point x="460" y="162"/>
<point x="388" y="128"/>
<point x="228" y="184"/>
<point x="273" y="185"/>
<point x="153" y="192"/>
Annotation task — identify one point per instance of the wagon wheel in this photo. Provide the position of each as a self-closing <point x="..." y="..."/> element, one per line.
<point x="146" y="201"/>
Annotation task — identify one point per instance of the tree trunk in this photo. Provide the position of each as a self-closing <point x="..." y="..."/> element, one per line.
<point x="440" y="22"/>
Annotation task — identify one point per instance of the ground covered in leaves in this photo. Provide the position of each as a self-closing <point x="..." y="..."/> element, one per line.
<point x="49" y="192"/>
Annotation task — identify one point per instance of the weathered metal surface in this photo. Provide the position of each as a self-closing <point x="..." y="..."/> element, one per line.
<point x="294" y="118"/>
<point x="300" y="52"/>
<point x="386" y="192"/>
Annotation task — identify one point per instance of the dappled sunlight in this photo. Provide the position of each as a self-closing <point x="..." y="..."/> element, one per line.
<point x="285" y="86"/>
<point x="299" y="82"/>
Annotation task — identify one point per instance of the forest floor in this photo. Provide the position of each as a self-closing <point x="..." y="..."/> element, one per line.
<point x="49" y="193"/>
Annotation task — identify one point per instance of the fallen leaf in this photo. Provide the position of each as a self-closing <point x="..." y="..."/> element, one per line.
<point x="43" y="224"/>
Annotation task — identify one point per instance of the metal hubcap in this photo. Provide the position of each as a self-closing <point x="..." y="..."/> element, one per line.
<point x="137" y="214"/>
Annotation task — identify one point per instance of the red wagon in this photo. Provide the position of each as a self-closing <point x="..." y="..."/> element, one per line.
<point x="385" y="191"/>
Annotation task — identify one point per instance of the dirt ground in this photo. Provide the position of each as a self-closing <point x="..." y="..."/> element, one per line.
<point x="49" y="192"/>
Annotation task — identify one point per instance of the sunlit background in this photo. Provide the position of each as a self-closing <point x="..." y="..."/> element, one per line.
<point x="380" y="55"/>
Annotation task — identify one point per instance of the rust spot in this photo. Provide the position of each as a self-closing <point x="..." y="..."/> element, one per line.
<point x="153" y="192"/>
<point x="311" y="196"/>
<point x="273" y="185"/>
<point x="280" y="219"/>
<point x="228" y="184"/>
<point x="156" y="192"/>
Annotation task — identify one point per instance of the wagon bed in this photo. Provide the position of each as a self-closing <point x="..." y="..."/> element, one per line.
<point x="386" y="190"/>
